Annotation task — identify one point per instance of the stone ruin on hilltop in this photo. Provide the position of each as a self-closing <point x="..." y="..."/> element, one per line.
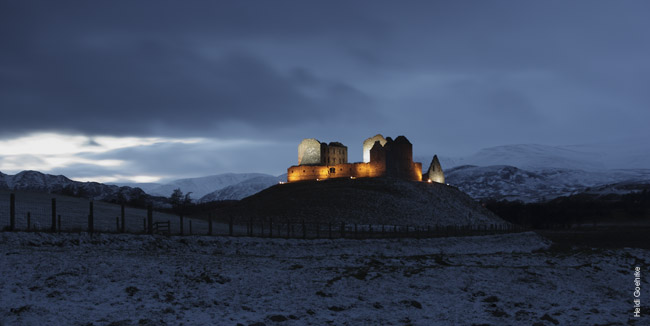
<point x="382" y="157"/>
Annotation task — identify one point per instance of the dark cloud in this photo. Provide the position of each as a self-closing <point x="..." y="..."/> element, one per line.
<point x="454" y="76"/>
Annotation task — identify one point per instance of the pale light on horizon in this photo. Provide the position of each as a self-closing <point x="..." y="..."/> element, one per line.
<point x="121" y="179"/>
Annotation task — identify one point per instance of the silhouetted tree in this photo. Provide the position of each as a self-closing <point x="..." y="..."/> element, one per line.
<point x="180" y="201"/>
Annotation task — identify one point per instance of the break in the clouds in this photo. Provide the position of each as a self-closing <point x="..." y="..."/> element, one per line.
<point x="452" y="76"/>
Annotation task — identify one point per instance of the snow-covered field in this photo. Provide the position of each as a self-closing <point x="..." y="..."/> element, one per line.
<point x="120" y="279"/>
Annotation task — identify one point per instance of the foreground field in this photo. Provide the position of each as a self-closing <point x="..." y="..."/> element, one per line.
<point x="72" y="279"/>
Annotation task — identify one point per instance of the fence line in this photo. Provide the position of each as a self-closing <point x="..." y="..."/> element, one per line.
<point x="67" y="215"/>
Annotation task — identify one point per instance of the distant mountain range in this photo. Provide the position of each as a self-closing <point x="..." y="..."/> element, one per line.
<point x="513" y="172"/>
<point x="39" y="182"/>
<point x="531" y="172"/>
<point x="503" y="182"/>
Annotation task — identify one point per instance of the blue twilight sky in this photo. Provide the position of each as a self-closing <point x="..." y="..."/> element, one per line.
<point x="151" y="90"/>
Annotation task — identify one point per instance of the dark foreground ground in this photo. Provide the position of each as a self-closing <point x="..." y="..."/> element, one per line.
<point x="603" y="237"/>
<point x="508" y="279"/>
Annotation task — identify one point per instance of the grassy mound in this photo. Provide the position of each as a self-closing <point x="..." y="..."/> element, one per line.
<point x="364" y="201"/>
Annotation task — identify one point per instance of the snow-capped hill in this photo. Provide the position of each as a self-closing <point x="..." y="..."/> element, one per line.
<point x="36" y="181"/>
<point x="39" y="182"/>
<point x="512" y="183"/>
<point x="202" y="186"/>
<point x="243" y="189"/>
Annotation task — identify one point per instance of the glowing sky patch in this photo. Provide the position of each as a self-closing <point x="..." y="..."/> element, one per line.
<point x="121" y="159"/>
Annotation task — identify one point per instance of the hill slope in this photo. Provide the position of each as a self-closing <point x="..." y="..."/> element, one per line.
<point x="512" y="183"/>
<point x="57" y="184"/>
<point x="202" y="186"/>
<point x="243" y="189"/>
<point x="365" y="201"/>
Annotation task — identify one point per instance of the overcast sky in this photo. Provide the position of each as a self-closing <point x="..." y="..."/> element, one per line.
<point x="149" y="90"/>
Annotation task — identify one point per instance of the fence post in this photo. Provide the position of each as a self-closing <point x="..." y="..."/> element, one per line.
<point x="29" y="221"/>
<point x="123" y="228"/>
<point x="262" y="227"/>
<point x="209" y="223"/>
<point x="59" y="216"/>
<point x="53" y="214"/>
<point x="230" y="222"/>
<point x="288" y="228"/>
<point x="12" y="212"/>
<point x="181" y="218"/>
<point x="150" y="219"/>
<point x="91" y="218"/>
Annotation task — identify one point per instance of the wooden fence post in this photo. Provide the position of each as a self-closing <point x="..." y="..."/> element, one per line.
<point x="54" y="215"/>
<point x="91" y="218"/>
<point x="123" y="216"/>
<point x="288" y="229"/>
<point x="12" y="212"/>
<point x="150" y="219"/>
<point x="181" y="218"/>
<point x="209" y="223"/>
<point x="29" y="221"/>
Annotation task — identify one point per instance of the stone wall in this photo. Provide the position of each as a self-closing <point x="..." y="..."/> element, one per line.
<point x="386" y="157"/>
<point x="369" y="143"/>
<point x="357" y="170"/>
<point x="309" y="151"/>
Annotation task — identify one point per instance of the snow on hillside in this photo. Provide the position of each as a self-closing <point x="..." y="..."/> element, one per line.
<point x="512" y="183"/>
<point x="35" y="181"/>
<point x="202" y="186"/>
<point x="242" y="189"/>
<point x="72" y="279"/>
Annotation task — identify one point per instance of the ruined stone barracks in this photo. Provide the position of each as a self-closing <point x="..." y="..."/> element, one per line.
<point x="382" y="157"/>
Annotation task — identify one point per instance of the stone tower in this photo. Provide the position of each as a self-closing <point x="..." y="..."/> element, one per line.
<point x="435" y="173"/>
<point x="369" y="143"/>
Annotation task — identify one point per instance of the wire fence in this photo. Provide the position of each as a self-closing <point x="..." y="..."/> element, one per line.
<point x="56" y="213"/>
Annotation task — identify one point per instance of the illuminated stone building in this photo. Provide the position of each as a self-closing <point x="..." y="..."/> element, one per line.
<point x="383" y="157"/>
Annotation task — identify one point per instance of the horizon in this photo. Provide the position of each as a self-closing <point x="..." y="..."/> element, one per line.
<point x="176" y="91"/>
